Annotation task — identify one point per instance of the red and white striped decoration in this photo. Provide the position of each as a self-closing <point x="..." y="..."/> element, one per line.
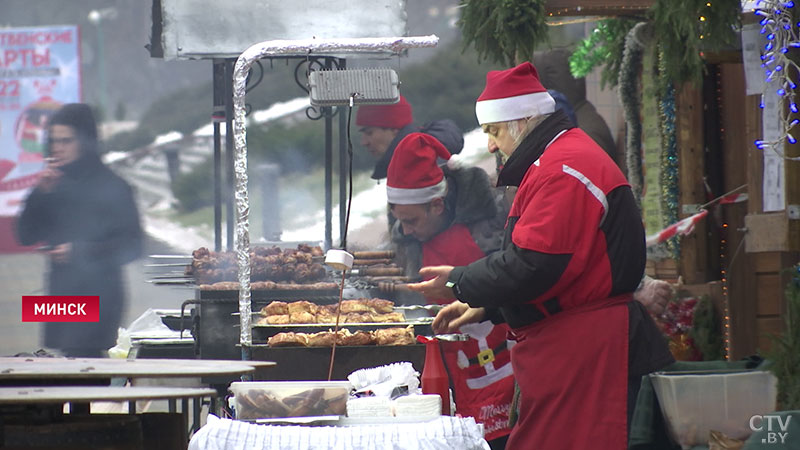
<point x="682" y="227"/>
<point x="733" y="198"/>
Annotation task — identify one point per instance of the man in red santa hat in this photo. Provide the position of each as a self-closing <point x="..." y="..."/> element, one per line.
<point x="446" y="214"/>
<point x="573" y="255"/>
<point x="382" y="127"/>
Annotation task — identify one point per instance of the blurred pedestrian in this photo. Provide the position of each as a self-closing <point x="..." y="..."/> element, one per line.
<point x="86" y="217"/>
<point x="382" y="127"/>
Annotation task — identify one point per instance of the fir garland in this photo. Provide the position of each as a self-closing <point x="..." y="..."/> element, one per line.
<point x="506" y="31"/>
<point x="686" y="28"/>
<point x="604" y="46"/>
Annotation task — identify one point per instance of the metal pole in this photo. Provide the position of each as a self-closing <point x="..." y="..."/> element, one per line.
<point x="101" y="65"/>
<point x="218" y="77"/>
<point x="328" y="170"/>
<point x="241" y="69"/>
<point x="229" y="152"/>
<point x="343" y="166"/>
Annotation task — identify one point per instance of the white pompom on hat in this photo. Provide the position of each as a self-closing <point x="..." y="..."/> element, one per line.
<point x="413" y="176"/>
<point x="512" y="94"/>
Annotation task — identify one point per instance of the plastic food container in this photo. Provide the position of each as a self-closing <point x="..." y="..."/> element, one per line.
<point x="274" y="399"/>
<point x="695" y="404"/>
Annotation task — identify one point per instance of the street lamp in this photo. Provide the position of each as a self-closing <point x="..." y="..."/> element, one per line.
<point x="96" y="17"/>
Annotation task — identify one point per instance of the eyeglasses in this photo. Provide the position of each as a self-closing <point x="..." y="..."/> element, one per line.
<point x="62" y="141"/>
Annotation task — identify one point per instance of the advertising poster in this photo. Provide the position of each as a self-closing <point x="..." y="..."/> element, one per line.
<point x="39" y="71"/>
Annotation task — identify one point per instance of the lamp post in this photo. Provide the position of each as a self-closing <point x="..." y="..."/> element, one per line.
<point x="96" y="17"/>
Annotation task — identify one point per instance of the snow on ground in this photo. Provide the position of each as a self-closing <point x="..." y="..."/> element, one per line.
<point x="368" y="211"/>
<point x="275" y="111"/>
<point x="369" y="206"/>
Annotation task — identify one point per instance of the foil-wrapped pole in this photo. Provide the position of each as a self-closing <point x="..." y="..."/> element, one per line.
<point x="255" y="52"/>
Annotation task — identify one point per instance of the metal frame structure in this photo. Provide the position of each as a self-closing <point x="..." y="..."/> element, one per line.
<point x="322" y="48"/>
<point x="223" y="112"/>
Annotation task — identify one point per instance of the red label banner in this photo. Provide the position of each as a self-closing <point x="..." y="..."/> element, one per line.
<point x="60" y="308"/>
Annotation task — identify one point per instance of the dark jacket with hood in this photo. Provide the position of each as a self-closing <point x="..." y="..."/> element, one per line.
<point x="93" y="209"/>
<point x="445" y="130"/>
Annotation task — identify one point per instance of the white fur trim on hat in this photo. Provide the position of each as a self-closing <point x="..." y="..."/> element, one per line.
<point x="512" y="108"/>
<point x="418" y="196"/>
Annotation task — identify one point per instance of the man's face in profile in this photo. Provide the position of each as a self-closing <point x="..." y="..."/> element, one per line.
<point x="376" y="140"/>
<point x="422" y="221"/>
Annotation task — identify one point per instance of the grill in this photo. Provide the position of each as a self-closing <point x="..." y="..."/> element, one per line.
<point x="215" y="323"/>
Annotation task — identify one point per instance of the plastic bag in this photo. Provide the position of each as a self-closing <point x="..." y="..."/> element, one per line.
<point x="148" y="323"/>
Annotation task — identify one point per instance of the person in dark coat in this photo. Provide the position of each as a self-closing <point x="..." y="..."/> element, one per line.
<point x="382" y="127"/>
<point x="86" y="217"/>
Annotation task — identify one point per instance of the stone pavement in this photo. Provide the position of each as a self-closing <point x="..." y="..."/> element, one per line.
<point x="23" y="274"/>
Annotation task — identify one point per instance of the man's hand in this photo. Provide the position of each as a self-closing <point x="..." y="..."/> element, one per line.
<point x="49" y="179"/>
<point x="654" y="295"/>
<point x="435" y="287"/>
<point x="61" y="253"/>
<point x="452" y="316"/>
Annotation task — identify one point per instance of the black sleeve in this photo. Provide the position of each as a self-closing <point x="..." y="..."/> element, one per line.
<point x="35" y="221"/>
<point x="495" y="316"/>
<point x="122" y="240"/>
<point x="512" y="276"/>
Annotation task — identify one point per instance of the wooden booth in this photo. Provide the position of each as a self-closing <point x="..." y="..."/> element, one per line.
<point x="737" y="255"/>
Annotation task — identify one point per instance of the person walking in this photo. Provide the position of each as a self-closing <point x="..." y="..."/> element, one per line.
<point x="86" y="217"/>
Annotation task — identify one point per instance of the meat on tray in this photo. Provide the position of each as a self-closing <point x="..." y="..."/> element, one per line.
<point x="269" y="285"/>
<point x="363" y="310"/>
<point x="384" y="336"/>
<point x="257" y="403"/>
<point x="266" y="264"/>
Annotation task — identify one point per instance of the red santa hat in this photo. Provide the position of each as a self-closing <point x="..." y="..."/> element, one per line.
<point x="513" y="94"/>
<point x="395" y="116"/>
<point x="414" y="177"/>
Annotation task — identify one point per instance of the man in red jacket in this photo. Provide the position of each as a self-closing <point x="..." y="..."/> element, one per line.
<point x="573" y="255"/>
<point x="448" y="213"/>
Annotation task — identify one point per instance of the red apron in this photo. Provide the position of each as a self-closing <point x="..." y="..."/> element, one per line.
<point x="579" y="402"/>
<point x="480" y="369"/>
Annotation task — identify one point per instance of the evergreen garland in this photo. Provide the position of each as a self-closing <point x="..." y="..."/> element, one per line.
<point x="785" y="350"/>
<point x="505" y="31"/>
<point x="683" y="28"/>
<point x="604" y="46"/>
<point x="686" y="28"/>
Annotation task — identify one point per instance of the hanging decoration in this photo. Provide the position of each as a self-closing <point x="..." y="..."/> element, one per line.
<point x="686" y="225"/>
<point x="669" y="164"/>
<point x="505" y="31"/>
<point x="603" y="47"/>
<point x="684" y="30"/>
<point x="629" y="97"/>
<point x="652" y="146"/>
<point x="688" y="28"/>
<point x="782" y="35"/>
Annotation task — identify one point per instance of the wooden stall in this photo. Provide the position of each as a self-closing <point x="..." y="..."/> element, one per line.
<point x="738" y="254"/>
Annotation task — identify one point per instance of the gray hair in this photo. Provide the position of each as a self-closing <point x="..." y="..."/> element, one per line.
<point x="518" y="132"/>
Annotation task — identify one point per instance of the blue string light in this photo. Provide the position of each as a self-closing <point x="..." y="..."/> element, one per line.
<point x="776" y="21"/>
